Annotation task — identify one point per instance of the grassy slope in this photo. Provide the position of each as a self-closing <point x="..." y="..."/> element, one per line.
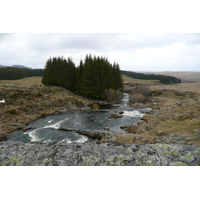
<point x="177" y="111"/>
<point x="27" y="100"/>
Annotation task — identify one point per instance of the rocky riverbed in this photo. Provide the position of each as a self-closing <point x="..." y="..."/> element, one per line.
<point x="92" y="154"/>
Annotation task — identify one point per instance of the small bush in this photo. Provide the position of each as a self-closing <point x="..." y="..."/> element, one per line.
<point x="95" y="106"/>
<point x="38" y="94"/>
<point x="13" y="111"/>
<point x="139" y="98"/>
<point x="142" y="89"/>
<point x="113" y="96"/>
<point x="132" y="129"/>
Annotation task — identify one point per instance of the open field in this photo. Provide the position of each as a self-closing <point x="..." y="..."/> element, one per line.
<point x="25" y="82"/>
<point x="127" y="79"/>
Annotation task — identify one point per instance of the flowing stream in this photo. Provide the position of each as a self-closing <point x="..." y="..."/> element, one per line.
<point x="47" y="129"/>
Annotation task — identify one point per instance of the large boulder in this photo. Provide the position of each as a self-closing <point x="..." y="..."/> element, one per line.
<point x="92" y="154"/>
<point x="115" y="116"/>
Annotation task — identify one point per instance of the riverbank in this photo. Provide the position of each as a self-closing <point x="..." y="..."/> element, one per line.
<point x="27" y="100"/>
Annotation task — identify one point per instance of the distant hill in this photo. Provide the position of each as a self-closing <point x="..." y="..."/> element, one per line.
<point x="183" y="75"/>
<point x="19" y="66"/>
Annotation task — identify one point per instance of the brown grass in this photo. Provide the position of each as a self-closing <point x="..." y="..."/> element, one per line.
<point x="182" y="87"/>
<point x="27" y="100"/>
<point x="177" y="111"/>
<point x="139" y="98"/>
<point x="25" y="82"/>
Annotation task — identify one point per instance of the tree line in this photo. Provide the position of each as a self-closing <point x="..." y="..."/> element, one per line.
<point x="163" y="79"/>
<point x="14" y="73"/>
<point x="92" y="78"/>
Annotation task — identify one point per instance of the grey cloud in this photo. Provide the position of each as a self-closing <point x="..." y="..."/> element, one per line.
<point x="139" y="41"/>
<point x="4" y="35"/>
<point x="66" y="41"/>
<point x="127" y="49"/>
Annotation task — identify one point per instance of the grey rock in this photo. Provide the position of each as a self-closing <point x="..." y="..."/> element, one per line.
<point x="188" y="139"/>
<point x="145" y="140"/>
<point x="196" y="131"/>
<point x="162" y="133"/>
<point x="17" y="124"/>
<point x="123" y="127"/>
<point x="106" y="128"/>
<point x="148" y="127"/>
<point x="92" y="154"/>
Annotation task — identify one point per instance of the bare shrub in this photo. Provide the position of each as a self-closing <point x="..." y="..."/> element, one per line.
<point x="139" y="98"/>
<point x="140" y="94"/>
<point x="113" y="96"/>
<point x="132" y="129"/>
<point x="13" y="111"/>
<point x="142" y="89"/>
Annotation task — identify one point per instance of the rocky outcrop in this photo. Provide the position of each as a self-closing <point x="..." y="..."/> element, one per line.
<point x="92" y="154"/>
<point x="115" y="116"/>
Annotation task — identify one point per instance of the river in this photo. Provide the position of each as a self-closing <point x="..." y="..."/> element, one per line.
<point x="47" y="129"/>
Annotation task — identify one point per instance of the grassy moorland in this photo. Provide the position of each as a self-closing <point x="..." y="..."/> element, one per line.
<point x="27" y="100"/>
<point x="174" y="118"/>
<point x="175" y="115"/>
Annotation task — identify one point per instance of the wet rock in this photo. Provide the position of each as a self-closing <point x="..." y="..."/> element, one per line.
<point x="121" y="112"/>
<point x="94" y="134"/>
<point x="115" y="116"/>
<point x="106" y="128"/>
<point x="123" y="127"/>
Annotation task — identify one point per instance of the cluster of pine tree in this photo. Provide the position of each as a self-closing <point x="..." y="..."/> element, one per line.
<point x="14" y="73"/>
<point x="163" y="79"/>
<point x="92" y="78"/>
<point x="169" y="80"/>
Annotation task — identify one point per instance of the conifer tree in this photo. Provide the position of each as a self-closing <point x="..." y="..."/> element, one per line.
<point x="92" y="78"/>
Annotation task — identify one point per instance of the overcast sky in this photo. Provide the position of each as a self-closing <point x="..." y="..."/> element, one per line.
<point x="134" y="52"/>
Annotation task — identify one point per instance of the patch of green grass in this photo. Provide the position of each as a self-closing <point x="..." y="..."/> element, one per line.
<point x="140" y="81"/>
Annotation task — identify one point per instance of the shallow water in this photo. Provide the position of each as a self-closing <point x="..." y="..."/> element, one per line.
<point x="47" y="129"/>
